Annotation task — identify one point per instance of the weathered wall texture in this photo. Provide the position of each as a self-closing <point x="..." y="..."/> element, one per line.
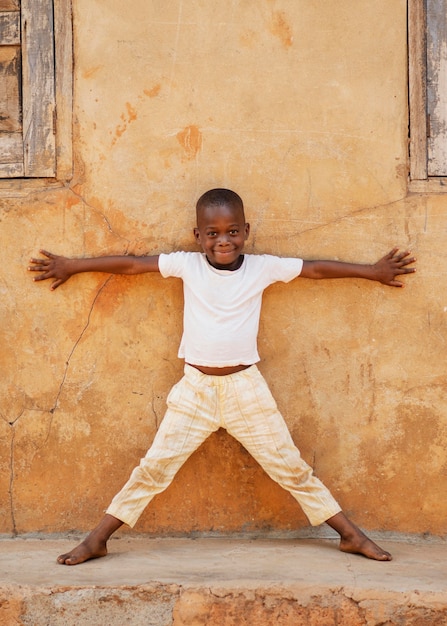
<point x="301" y="107"/>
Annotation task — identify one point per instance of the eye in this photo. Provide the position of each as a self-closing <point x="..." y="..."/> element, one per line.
<point x="234" y="231"/>
<point x="211" y="233"/>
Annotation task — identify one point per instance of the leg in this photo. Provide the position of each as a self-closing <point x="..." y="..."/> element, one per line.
<point x="188" y="421"/>
<point x="94" y="545"/>
<point x="353" y="540"/>
<point x="252" y="417"/>
<point x="262" y="431"/>
<point x="181" y="432"/>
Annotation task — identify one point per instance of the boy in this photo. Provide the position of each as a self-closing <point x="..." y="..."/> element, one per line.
<point x="222" y="386"/>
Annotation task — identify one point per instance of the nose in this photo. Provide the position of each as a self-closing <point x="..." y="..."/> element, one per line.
<point x="223" y="240"/>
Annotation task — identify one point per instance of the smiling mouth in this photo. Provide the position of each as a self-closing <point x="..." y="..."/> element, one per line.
<point x="225" y="252"/>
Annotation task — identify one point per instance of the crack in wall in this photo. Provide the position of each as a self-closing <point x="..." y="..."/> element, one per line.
<point x="12" y="421"/>
<point x="340" y="219"/>
<point x="99" y="212"/>
<point x="10" y="496"/>
<point x="11" y="485"/>
<point x="51" y="411"/>
<point x="154" y="411"/>
<point x="72" y="351"/>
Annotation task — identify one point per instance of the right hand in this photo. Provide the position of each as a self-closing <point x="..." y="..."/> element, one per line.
<point x="54" y="266"/>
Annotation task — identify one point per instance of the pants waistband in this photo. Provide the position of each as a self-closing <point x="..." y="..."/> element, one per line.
<point x="193" y="373"/>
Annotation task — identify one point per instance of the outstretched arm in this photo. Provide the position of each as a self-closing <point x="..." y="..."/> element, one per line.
<point x="60" y="268"/>
<point x="384" y="271"/>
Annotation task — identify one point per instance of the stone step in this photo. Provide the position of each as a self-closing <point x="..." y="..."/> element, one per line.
<point x="223" y="582"/>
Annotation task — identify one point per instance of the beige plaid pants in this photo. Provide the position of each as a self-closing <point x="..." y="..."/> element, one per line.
<point x="242" y="404"/>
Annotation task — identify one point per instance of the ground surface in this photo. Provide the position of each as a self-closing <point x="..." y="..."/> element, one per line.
<point x="225" y="582"/>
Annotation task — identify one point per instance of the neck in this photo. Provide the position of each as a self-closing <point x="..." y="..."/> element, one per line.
<point x="231" y="268"/>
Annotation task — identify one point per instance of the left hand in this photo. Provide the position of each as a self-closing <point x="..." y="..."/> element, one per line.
<point x="393" y="264"/>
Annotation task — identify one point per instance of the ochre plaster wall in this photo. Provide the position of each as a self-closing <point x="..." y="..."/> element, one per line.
<point x="301" y="107"/>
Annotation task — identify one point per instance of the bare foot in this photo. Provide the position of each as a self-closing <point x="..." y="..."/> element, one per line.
<point x="361" y="544"/>
<point x="354" y="541"/>
<point x="88" y="549"/>
<point x="94" y="545"/>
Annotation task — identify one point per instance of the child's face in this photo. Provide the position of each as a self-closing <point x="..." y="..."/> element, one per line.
<point x="221" y="232"/>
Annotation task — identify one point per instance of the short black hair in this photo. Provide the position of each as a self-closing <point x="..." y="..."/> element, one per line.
<point x="220" y="197"/>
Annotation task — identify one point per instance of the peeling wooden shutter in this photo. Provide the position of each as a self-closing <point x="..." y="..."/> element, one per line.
<point x="11" y="140"/>
<point x="27" y="92"/>
<point x="417" y="76"/>
<point x="38" y="88"/>
<point x="437" y="87"/>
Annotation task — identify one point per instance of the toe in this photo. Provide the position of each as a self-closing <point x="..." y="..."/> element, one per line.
<point x="66" y="559"/>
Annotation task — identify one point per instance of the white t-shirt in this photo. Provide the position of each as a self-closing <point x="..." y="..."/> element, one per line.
<point x="222" y="307"/>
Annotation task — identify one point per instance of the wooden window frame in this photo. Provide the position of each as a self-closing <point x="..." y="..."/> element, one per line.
<point x="419" y="180"/>
<point x="61" y="107"/>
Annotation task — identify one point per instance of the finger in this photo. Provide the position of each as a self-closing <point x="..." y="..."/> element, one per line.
<point x="403" y="269"/>
<point x="37" y="268"/>
<point x="56" y="284"/>
<point x="392" y="253"/>
<point x="49" y="255"/>
<point x="402" y="261"/>
<point x="40" y="277"/>
<point x="402" y="258"/>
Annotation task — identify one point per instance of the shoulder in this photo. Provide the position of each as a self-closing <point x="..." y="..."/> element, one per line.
<point x="271" y="260"/>
<point x="274" y="267"/>
<point x="175" y="263"/>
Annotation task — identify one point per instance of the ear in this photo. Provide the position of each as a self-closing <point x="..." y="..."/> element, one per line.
<point x="197" y="235"/>
<point x="247" y="230"/>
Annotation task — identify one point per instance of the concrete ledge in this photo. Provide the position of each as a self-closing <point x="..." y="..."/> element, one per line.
<point x="222" y="582"/>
